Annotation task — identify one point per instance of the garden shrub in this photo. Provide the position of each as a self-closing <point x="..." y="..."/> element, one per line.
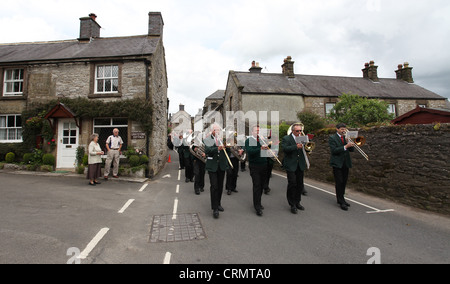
<point x="10" y="157"/>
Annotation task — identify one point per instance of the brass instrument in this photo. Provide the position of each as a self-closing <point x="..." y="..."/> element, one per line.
<point x="309" y="146"/>
<point x="226" y="154"/>
<point x="236" y="148"/>
<point x="358" y="143"/>
<point x="198" y="152"/>
<point x="273" y="155"/>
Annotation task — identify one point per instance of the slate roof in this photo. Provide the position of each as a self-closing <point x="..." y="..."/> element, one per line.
<point x="330" y="86"/>
<point x="217" y="95"/>
<point x="73" y="49"/>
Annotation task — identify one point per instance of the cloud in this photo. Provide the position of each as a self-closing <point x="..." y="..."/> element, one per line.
<point x="205" y="39"/>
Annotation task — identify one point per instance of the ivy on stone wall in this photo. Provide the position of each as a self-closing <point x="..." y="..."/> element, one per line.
<point x="139" y="110"/>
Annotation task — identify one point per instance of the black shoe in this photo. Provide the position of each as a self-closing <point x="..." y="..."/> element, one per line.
<point x="186" y="180"/>
<point x="93" y="184"/>
<point x="202" y="190"/>
<point x="267" y="191"/>
<point x="304" y="192"/>
<point x="345" y="202"/>
<point x="96" y="182"/>
<point x="294" y="210"/>
<point x="259" y="212"/>
<point x="234" y="190"/>
<point x="216" y="214"/>
<point x="192" y="180"/>
<point x="228" y="192"/>
<point x="344" y="207"/>
<point x="262" y="207"/>
<point x="197" y="191"/>
<point x="300" y="207"/>
<point x="220" y="208"/>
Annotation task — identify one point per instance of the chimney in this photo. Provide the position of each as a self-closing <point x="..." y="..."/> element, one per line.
<point x="404" y="73"/>
<point x="89" y="28"/>
<point x="155" y="24"/>
<point x="255" y="68"/>
<point x="288" y="67"/>
<point x="181" y="107"/>
<point x="370" y="71"/>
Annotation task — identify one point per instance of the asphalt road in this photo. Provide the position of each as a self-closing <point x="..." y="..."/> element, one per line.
<point x="63" y="220"/>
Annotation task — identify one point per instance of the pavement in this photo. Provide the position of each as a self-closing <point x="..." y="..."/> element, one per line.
<point x="58" y="218"/>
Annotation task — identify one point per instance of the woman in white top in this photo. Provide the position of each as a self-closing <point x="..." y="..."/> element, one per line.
<point x="95" y="160"/>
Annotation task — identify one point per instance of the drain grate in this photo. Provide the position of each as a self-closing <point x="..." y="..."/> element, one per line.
<point x="176" y="228"/>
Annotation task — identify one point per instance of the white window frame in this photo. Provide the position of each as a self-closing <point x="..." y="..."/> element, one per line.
<point x="5" y="127"/>
<point x="328" y="110"/>
<point x="13" y="82"/>
<point x="104" y="78"/>
<point x="392" y="109"/>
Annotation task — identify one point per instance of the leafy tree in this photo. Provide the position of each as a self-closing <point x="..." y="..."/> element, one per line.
<point x="358" y="111"/>
<point x="311" y="121"/>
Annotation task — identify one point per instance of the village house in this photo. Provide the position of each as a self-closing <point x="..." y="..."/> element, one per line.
<point x="290" y="93"/>
<point x="103" y="71"/>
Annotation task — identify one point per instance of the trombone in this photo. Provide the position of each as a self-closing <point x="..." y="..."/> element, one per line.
<point x="358" y="143"/>
<point x="274" y="156"/>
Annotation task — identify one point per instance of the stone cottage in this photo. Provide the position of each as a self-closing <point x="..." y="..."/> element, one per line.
<point x="290" y="93"/>
<point x="101" y="70"/>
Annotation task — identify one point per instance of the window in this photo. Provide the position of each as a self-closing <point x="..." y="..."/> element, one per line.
<point x="13" y="82"/>
<point x="106" y="79"/>
<point x="329" y="107"/>
<point x="392" y="109"/>
<point x="104" y="128"/>
<point x="10" y="128"/>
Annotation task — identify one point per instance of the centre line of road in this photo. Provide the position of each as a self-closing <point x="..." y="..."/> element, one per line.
<point x="167" y="258"/>
<point x="175" y="209"/>
<point x="375" y="210"/>
<point x="85" y="253"/>
<point x="143" y="187"/>
<point x="178" y="189"/>
<point x="126" y="206"/>
<point x="179" y="175"/>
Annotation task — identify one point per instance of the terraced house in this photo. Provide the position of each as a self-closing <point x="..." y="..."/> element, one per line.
<point x="89" y="85"/>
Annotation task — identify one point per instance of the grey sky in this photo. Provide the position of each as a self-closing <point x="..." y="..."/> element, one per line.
<point x="204" y="39"/>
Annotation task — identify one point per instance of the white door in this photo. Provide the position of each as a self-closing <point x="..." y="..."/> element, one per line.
<point x="67" y="143"/>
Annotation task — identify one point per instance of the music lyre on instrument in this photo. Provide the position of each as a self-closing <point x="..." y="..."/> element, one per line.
<point x="273" y="155"/>
<point x="358" y="143"/>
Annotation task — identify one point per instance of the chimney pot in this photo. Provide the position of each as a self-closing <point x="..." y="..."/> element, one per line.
<point x="255" y="68"/>
<point x="370" y="71"/>
<point x="155" y="24"/>
<point x="93" y="16"/>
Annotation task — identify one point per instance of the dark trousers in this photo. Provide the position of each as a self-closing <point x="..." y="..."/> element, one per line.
<point x="216" y="179"/>
<point x="259" y="175"/>
<point x="199" y="173"/>
<point x="295" y="187"/>
<point x="232" y="175"/>
<point x="269" y="175"/>
<point x="341" y="178"/>
<point x="181" y="158"/>
<point x="188" y="168"/>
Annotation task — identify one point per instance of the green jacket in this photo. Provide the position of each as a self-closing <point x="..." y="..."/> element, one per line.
<point x="293" y="157"/>
<point x="254" y="153"/>
<point x="215" y="160"/>
<point x="339" y="156"/>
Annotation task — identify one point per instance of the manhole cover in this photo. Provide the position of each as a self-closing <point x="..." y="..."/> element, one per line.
<point x="176" y="228"/>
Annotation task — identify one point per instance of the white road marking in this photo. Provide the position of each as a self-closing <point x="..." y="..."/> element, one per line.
<point x="85" y="253"/>
<point x="175" y="209"/>
<point x="143" y="187"/>
<point x="179" y="175"/>
<point x="375" y="210"/>
<point x="167" y="176"/>
<point x="178" y="189"/>
<point x="167" y="258"/>
<point x="126" y="206"/>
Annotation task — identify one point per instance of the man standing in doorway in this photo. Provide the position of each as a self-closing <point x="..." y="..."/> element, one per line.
<point x="114" y="146"/>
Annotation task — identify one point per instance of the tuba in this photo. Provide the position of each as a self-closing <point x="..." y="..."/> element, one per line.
<point x="197" y="148"/>
<point x="234" y="149"/>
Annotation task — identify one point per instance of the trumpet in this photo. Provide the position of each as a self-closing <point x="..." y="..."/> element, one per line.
<point x="358" y="143"/>
<point x="309" y="146"/>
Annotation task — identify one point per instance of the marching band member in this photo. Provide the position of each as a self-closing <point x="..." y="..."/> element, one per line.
<point x="258" y="167"/>
<point x="216" y="165"/>
<point x="295" y="165"/>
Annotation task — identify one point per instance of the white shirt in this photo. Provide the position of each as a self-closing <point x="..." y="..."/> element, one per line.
<point x="114" y="142"/>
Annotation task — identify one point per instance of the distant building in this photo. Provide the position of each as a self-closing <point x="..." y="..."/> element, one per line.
<point x="99" y="69"/>
<point x="290" y="93"/>
<point x="181" y="120"/>
<point x="422" y="115"/>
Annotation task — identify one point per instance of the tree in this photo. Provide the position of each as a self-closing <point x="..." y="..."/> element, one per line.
<point x="358" y="111"/>
<point x="311" y="121"/>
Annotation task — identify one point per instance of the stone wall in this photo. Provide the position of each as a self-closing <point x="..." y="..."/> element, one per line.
<point x="408" y="164"/>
